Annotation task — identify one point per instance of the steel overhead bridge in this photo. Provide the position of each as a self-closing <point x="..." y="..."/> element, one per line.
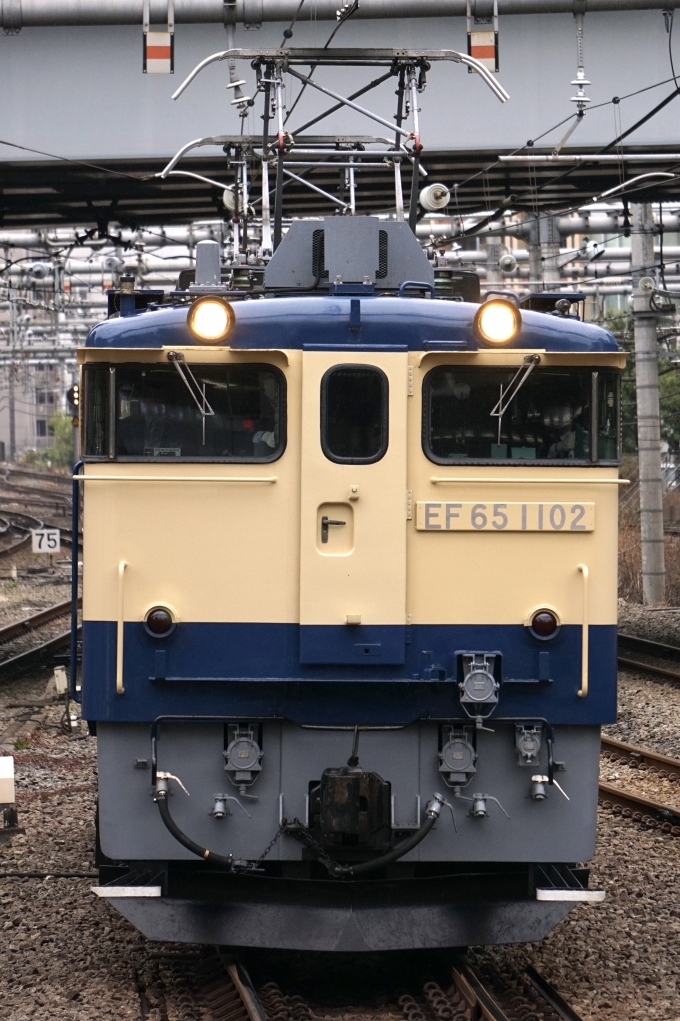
<point x="51" y="13"/>
<point x="85" y="132"/>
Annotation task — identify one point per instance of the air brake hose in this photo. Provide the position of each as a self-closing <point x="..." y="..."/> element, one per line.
<point x="397" y="852"/>
<point x="191" y="845"/>
<point x="432" y="811"/>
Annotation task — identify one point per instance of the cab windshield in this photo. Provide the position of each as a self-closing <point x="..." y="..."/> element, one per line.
<point x="555" y="415"/>
<point x="203" y="412"/>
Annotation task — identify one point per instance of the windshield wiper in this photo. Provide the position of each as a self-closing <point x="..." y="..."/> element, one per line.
<point x="186" y="375"/>
<point x="514" y="386"/>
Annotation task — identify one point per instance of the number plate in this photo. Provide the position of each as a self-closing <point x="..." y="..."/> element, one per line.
<point x="46" y="540"/>
<point x="505" y="517"/>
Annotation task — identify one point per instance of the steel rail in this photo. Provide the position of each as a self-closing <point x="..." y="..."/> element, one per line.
<point x="551" y="996"/>
<point x="648" y="668"/>
<point x="649" y="646"/>
<point x="491" y="1006"/>
<point x="645" y="645"/>
<point x="15" y="526"/>
<point x="639" y="805"/>
<point x="28" y="658"/>
<point x="632" y="804"/>
<point x="19" y="544"/>
<point x="22" y="627"/>
<point x="640" y="756"/>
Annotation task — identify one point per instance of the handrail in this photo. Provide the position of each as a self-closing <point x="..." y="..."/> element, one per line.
<point x="120" y="690"/>
<point x="539" y="481"/>
<point x="75" y="521"/>
<point x="174" y="478"/>
<point x="420" y="285"/>
<point x="583" y="691"/>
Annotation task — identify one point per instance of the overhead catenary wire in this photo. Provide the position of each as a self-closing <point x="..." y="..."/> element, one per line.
<point x="67" y="159"/>
<point x="342" y="18"/>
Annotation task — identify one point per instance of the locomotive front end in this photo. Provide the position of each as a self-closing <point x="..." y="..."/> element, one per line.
<point x="349" y="620"/>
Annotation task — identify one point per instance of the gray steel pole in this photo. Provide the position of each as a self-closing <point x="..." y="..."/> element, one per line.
<point x="494" y="251"/>
<point x="550" y="250"/>
<point x="12" y="416"/>
<point x="12" y="407"/>
<point x="24" y="13"/>
<point x="647" y="386"/>
<point x="535" y="256"/>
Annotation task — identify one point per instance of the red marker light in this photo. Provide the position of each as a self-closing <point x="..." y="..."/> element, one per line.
<point x="159" y="622"/>
<point x="544" y="624"/>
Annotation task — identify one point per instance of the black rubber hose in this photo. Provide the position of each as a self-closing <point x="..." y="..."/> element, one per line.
<point x="191" y="845"/>
<point x="397" y="852"/>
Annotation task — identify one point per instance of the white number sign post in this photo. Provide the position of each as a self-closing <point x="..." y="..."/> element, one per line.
<point x="46" y="540"/>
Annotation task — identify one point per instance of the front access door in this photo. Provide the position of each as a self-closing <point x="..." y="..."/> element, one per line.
<point x="353" y="508"/>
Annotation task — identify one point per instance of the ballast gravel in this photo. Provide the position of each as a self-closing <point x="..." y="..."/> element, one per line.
<point x="658" y="625"/>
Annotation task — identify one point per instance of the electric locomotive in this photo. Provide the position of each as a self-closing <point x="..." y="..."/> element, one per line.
<point x="349" y="601"/>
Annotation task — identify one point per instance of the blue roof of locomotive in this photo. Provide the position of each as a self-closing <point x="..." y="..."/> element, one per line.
<point x="323" y="322"/>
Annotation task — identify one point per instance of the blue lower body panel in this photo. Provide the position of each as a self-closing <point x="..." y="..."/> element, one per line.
<point x="264" y="670"/>
<point x="364" y="645"/>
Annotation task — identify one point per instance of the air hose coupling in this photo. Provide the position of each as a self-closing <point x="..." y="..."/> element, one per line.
<point x="161" y="789"/>
<point x="434" y="807"/>
<point x="432" y="812"/>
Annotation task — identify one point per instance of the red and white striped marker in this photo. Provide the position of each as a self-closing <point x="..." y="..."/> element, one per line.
<point x="483" y="46"/>
<point x="159" y="47"/>
<point x="159" y="53"/>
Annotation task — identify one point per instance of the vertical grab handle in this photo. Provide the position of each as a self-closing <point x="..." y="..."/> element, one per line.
<point x="583" y="691"/>
<point x="120" y="690"/>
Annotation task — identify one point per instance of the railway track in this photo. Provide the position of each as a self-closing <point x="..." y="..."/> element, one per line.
<point x="212" y="982"/>
<point x="29" y="625"/>
<point x="631" y="644"/>
<point x="20" y="524"/>
<point x="632" y="804"/>
<point x="16" y="523"/>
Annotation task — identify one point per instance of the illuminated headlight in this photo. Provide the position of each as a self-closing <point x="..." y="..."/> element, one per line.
<point x="210" y="319"/>
<point x="159" y="621"/>
<point x="497" y="322"/>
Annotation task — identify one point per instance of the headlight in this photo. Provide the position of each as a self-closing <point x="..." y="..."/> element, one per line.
<point x="544" y="623"/>
<point x="159" y="621"/>
<point x="210" y="319"/>
<point x="497" y="321"/>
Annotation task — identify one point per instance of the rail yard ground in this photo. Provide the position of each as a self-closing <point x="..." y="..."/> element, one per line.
<point x="68" y="955"/>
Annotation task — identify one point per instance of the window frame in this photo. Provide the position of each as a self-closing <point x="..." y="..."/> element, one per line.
<point x="542" y="462"/>
<point x="112" y="420"/>
<point x="384" y="418"/>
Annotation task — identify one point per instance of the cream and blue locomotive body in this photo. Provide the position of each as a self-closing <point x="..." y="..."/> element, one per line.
<point x="350" y="582"/>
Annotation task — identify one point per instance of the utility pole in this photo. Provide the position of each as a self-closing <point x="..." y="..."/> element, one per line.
<point x="12" y="416"/>
<point x="494" y="251"/>
<point x="535" y="260"/>
<point x="12" y="407"/>
<point x="647" y="390"/>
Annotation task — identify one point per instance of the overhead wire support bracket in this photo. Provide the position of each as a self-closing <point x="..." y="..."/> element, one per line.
<point x="346" y="57"/>
<point x="271" y="64"/>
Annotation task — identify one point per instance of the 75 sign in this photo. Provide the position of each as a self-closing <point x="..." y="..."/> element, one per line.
<point x="46" y="540"/>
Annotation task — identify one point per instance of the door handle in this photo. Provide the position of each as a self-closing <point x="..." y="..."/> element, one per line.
<point x="325" y="522"/>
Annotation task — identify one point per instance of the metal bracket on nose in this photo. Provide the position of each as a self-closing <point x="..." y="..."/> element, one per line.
<point x="325" y="522"/>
